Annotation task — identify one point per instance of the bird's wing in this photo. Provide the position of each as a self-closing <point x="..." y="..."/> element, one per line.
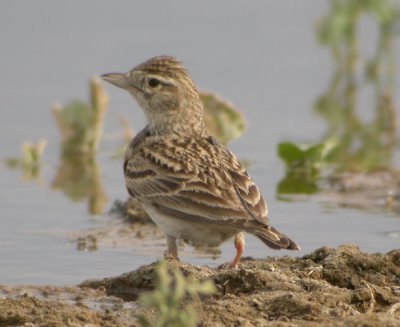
<point x="194" y="179"/>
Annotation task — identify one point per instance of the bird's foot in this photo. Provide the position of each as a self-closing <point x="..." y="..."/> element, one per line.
<point x="170" y="256"/>
<point x="172" y="251"/>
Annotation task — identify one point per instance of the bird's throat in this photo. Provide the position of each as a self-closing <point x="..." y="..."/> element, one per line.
<point x="177" y="124"/>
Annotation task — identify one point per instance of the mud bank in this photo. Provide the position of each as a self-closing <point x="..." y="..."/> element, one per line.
<point x="329" y="287"/>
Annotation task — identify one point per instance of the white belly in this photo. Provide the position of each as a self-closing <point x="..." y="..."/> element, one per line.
<point x="194" y="233"/>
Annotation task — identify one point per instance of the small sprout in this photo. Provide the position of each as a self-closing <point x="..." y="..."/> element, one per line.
<point x="31" y="160"/>
<point x="32" y="153"/>
<point x="304" y="164"/>
<point x="168" y="298"/>
<point x="304" y="159"/>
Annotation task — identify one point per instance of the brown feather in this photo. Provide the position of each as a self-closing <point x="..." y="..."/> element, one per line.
<point x="275" y="239"/>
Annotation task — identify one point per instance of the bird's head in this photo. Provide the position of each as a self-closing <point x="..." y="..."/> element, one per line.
<point x="167" y="94"/>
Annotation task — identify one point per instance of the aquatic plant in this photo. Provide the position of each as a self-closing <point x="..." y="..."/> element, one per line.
<point x="338" y="30"/>
<point x="81" y="124"/>
<point x="31" y="160"/>
<point x="306" y="159"/>
<point x="304" y="164"/>
<point x="361" y="145"/>
<point x="169" y="295"/>
<point x="364" y="145"/>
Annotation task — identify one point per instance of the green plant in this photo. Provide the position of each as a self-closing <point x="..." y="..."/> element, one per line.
<point x="168" y="297"/>
<point x="81" y="124"/>
<point x="351" y="143"/>
<point x="306" y="160"/>
<point x="364" y="145"/>
<point x="338" y="29"/>
<point x="31" y="160"/>
<point x="304" y="164"/>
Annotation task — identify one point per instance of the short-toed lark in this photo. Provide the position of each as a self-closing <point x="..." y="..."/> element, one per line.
<point x="190" y="185"/>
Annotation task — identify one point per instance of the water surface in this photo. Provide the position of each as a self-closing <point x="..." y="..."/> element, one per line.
<point x="262" y="57"/>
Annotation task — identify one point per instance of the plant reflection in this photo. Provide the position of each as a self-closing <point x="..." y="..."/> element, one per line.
<point x="79" y="178"/>
<point x="81" y="127"/>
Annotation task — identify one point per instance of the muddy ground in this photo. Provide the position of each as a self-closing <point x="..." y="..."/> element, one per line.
<point x="329" y="287"/>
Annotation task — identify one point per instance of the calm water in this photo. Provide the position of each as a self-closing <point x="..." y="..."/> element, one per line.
<point x="263" y="57"/>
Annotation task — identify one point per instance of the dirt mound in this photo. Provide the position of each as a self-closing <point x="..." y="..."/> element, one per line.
<point x="343" y="286"/>
<point x="329" y="287"/>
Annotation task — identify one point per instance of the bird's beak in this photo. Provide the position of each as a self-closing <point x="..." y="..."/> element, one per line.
<point x="118" y="79"/>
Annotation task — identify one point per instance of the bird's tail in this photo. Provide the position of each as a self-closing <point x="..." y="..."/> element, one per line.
<point x="275" y="239"/>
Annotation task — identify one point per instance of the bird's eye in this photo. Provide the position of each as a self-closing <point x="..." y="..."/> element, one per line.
<point x="153" y="82"/>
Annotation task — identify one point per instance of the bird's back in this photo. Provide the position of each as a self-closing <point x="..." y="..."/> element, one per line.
<point x="196" y="175"/>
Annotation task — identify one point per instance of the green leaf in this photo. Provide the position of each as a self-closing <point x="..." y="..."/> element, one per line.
<point x="289" y="152"/>
<point x="313" y="152"/>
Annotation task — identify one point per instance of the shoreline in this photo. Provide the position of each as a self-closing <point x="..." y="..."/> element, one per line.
<point x="330" y="287"/>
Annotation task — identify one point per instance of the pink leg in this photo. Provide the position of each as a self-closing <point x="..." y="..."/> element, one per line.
<point x="239" y="245"/>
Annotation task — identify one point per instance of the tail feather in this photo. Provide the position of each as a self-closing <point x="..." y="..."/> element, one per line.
<point x="275" y="239"/>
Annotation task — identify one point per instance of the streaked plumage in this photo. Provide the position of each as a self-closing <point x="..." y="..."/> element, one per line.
<point x="189" y="184"/>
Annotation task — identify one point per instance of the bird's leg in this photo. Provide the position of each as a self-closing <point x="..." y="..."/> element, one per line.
<point x="172" y="250"/>
<point x="239" y="245"/>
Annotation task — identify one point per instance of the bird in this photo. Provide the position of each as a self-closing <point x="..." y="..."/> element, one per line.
<point x="190" y="185"/>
